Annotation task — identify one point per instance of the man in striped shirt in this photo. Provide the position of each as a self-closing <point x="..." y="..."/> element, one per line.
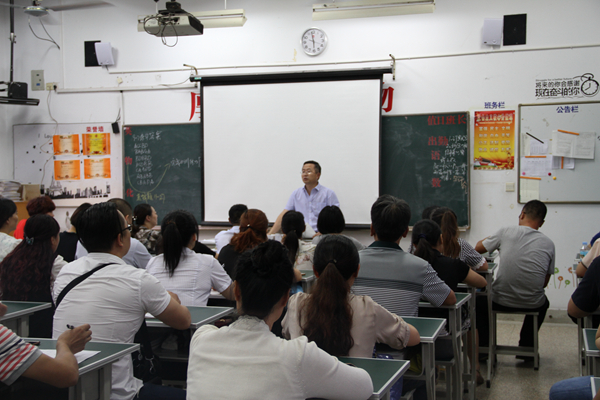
<point x="392" y="277"/>
<point x="18" y="358"/>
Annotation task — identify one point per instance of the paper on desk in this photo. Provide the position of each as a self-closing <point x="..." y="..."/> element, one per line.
<point x="574" y="146"/>
<point x="563" y="162"/>
<point x="529" y="189"/>
<point x="148" y="315"/>
<point x="536" y="166"/>
<point x="81" y="356"/>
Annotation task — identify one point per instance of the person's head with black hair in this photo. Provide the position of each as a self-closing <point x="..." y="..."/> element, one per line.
<point x="263" y="278"/>
<point x="143" y="215"/>
<point x="331" y="220"/>
<point x="292" y="226"/>
<point x="8" y="215"/>
<point x="235" y="213"/>
<point x="426" y="236"/>
<point x="103" y="229"/>
<point x="390" y="217"/>
<point x="77" y="214"/>
<point x="533" y="214"/>
<point x="124" y="207"/>
<point x="179" y="231"/>
<point x="327" y="314"/>
<point x="446" y="219"/>
<point x="426" y="214"/>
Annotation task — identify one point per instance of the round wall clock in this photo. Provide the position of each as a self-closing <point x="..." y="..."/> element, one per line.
<point x="314" y="41"/>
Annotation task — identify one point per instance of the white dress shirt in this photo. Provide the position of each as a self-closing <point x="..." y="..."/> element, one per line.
<point x="138" y="254"/>
<point x="223" y="238"/>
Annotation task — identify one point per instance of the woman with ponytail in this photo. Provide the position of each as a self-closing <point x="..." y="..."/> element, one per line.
<point x="26" y="273"/>
<point x="253" y="231"/>
<point x="338" y="321"/>
<point x="144" y="219"/>
<point x="182" y="271"/>
<point x="455" y="247"/>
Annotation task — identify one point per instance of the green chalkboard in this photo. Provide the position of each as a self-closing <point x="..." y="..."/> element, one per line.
<point x="425" y="161"/>
<point x="163" y="167"/>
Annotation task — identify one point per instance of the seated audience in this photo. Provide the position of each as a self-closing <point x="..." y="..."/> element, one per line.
<point x="9" y="220"/>
<point x="300" y="252"/>
<point x="115" y="297"/>
<point x="261" y="365"/>
<point x="454" y="246"/>
<point x="583" y="265"/>
<point x="586" y="297"/>
<point x="68" y="239"/>
<point x="26" y="273"/>
<point x="253" y="231"/>
<point x="39" y="205"/>
<point x="138" y="255"/>
<point x="19" y="358"/>
<point x="331" y="222"/>
<point x="339" y="322"/>
<point x="144" y="219"/>
<point x="223" y="238"/>
<point x="182" y="271"/>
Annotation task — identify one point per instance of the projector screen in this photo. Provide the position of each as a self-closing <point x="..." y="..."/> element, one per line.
<point x="256" y="136"/>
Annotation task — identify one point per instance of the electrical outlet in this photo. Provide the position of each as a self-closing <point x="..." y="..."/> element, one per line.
<point x="509" y="186"/>
<point x="37" y="79"/>
<point x="51" y="85"/>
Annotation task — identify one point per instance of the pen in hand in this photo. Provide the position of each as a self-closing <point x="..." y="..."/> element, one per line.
<point x="70" y="326"/>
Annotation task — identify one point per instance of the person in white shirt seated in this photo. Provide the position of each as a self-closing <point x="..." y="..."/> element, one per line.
<point x="246" y="361"/>
<point x="182" y="271"/>
<point x="223" y="238"/>
<point x="114" y="298"/>
<point x="138" y="255"/>
<point x="8" y="222"/>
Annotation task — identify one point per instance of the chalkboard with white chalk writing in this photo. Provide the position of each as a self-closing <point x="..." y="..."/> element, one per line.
<point x="163" y="167"/>
<point x="425" y="161"/>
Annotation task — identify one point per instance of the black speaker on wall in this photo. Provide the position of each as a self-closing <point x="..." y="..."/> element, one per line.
<point x="91" y="60"/>
<point x="515" y="29"/>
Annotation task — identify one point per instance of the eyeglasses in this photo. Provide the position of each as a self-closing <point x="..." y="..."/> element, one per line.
<point x="127" y="228"/>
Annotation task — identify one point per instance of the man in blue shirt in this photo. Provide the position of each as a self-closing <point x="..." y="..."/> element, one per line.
<point x="309" y="199"/>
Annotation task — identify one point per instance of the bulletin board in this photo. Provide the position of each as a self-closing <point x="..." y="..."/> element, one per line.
<point x="559" y="185"/>
<point x="75" y="163"/>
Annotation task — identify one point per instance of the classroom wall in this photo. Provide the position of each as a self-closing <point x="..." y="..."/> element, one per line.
<point x="432" y="76"/>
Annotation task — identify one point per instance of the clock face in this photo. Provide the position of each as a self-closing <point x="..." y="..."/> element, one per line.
<point x="314" y="41"/>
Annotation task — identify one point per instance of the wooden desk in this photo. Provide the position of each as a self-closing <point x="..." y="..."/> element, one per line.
<point x="200" y="316"/>
<point x="308" y="280"/>
<point x="455" y="327"/>
<point x="591" y="351"/>
<point x="383" y="373"/>
<point x="17" y="316"/>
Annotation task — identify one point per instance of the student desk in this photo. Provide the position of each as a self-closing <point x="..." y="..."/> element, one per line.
<point x="308" y="280"/>
<point x="489" y="276"/>
<point x="591" y="351"/>
<point x="383" y="373"/>
<point x="585" y="322"/>
<point x="471" y="377"/>
<point x="595" y="385"/>
<point x="17" y="315"/>
<point x="429" y="330"/>
<point x="200" y="316"/>
<point x="95" y="372"/>
<point x="454" y="316"/>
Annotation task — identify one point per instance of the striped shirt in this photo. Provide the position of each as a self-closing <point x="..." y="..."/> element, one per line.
<point x="15" y="355"/>
<point x="398" y="280"/>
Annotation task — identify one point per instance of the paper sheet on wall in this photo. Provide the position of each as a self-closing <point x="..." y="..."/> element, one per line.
<point x="574" y="146"/>
<point x="537" y="149"/>
<point x="80" y="357"/>
<point x="529" y="189"/>
<point x="541" y="166"/>
<point x="563" y="163"/>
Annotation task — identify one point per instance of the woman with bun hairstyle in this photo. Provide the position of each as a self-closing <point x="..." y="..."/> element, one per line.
<point x="144" y="219"/>
<point x="38" y="205"/>
<point x="182" y="271"/>
<point x="261" y="365"/>
<point x="8" y="223"/>
<point x="26" y="273"/>
<point x="253" y="231"/>
<point x="454" y="246"/>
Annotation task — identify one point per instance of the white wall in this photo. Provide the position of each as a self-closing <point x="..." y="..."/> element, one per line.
<point x="272" y="36"/>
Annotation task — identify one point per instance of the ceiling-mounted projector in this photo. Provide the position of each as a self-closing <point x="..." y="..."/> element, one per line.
<point x="174" y="21"/>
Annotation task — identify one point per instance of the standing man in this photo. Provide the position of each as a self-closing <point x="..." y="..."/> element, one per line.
<point x="526" y="263"/>
<point x="309" y="199"/>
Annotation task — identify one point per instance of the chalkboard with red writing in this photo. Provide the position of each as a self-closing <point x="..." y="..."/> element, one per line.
<point x="425" y="161"/>
<point x="163" y="167"/>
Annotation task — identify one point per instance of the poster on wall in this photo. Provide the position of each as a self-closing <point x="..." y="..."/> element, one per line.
<point x="66" y="144"/>
<point x="494" y="140"/>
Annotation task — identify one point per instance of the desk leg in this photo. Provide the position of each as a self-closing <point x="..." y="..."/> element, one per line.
<point x="455" y="325"/>
<point x="93" y="385"/>
<point x="492" y="332"/>
<point x="23" y="326"/>
<point x="429" y="365"/>
<point x="580" y="346"/>
<point x="473" y="380"/>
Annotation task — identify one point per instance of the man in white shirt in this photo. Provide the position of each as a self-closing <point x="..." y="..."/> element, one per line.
<point x="223" y="238"/>
<point x="138" y="254"/>
<point x="114" y="299"/>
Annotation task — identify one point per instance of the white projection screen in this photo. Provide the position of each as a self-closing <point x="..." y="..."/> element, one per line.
<point x="257" y="135"/>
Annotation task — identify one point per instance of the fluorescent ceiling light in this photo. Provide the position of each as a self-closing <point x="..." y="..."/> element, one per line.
<point x="221" y="18"/>
<point x="371" y="8"/>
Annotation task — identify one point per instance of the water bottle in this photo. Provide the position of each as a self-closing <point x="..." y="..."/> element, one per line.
<point x="584" y="250"/>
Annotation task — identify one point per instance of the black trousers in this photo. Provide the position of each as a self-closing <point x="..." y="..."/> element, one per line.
<point x="526" y="339"/>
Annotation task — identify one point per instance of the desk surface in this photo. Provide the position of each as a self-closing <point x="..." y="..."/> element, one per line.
<point x="589" y="340"/>
<point x="308" y="275"/>
<point x="200" y="316"/>
<point x="595" y="385"/>
<point x="20" y="308"/>
<point x="490" y="270"/>
<point x="429" y="328"/>
<point x="384" y="373"/>
<point x="109" y="352"/>
<point x="461" y="299"/>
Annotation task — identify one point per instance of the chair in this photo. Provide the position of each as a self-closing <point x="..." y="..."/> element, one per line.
<point x="515" y="350"/>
